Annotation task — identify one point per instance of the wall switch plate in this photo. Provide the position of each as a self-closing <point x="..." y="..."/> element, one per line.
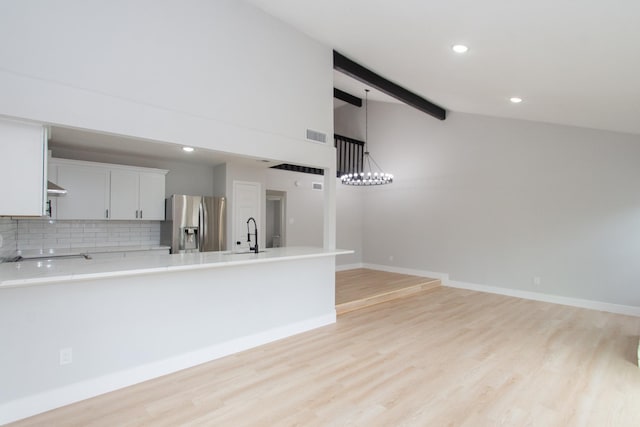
<point x="537" y="280"/>
<point x="66" y="356"/>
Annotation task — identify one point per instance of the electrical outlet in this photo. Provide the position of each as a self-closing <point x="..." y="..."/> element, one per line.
<point x="537" y="280"/>
<point x="66" y="356"/>
<point x="391" y="258"/>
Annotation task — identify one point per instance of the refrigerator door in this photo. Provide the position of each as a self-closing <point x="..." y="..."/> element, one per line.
<point x="213" y="224"/>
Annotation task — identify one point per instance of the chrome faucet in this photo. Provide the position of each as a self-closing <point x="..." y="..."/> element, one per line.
<point x="255" y="234"/>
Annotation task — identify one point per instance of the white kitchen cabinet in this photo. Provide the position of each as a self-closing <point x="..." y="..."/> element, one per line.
<point x="108" y="191"/>
<point x="23" y="154"/>
<point x="87" y="191"/>
<point x="152" y="188"/>
<point x="124" y="194"/>
<point x="137" y="195"/>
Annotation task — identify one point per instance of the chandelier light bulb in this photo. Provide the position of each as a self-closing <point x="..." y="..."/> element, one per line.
<point x="374" y="176"/>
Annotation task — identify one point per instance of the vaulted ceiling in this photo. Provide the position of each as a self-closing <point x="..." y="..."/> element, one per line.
<point x="572" y="62"/>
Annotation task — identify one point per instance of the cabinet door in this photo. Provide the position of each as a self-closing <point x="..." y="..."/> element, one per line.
<point x="152" y="196"/>
<point x="51" y="208"/>
<point x="87" y="192"/>
<point x="23" y="149"/>
<point x="124" y="194"/>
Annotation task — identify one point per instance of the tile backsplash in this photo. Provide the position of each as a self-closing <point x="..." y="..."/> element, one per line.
<point x="56" y="234"/>
<point x="8" y="235"/>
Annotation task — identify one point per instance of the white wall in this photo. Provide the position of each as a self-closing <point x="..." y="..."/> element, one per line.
<point x="497" y="201"/>
<point x="303" y="208"/>
<point x="216" y="74"/>
<point x="126" y="330"/>
<point x="349" y="223"/>
<point x="304" y="205"/>
<point x="349" y="121"/>
<point x="220" y="180"/>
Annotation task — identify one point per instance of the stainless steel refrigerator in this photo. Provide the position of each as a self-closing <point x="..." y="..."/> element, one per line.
<point x="194" y="224"/>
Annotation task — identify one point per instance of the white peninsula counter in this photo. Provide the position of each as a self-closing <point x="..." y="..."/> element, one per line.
<point x="127" y="320"/>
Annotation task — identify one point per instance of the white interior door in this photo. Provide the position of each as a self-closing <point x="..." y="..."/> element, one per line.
<point x="246" y="204"/>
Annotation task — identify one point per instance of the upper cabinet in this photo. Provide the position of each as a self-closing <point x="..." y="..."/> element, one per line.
<point x="23" y="153"/>
<point x="106" y="191"/>
<point x="152" y="195"/>
<point x="87" y="191"/>
<point x="137" y="195"/>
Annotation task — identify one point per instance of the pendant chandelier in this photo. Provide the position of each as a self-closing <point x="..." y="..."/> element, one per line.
<point x="371" y="173"/>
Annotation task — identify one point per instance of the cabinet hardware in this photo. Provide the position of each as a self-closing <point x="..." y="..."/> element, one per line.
<point x="140" y="213"/>
<point x="106" y="213"/>
<point x="136" y="214"/>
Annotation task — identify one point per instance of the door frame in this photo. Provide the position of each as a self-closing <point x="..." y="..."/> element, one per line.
<point x="282" y="196"/>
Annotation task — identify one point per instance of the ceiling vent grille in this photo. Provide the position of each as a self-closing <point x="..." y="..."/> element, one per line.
<point x="315" y="136"/>
<point x="298" y="168"/>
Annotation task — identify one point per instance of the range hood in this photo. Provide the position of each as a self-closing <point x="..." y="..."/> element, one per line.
<point x="55" y="190"/>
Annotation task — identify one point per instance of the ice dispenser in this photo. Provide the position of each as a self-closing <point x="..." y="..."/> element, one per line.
<point x="194" y="224"/>
<point x="189" y="239"/>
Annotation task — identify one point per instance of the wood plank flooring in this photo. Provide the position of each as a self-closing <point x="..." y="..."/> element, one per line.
<point x="363" y="287"/>
<point x="449" y="357"/>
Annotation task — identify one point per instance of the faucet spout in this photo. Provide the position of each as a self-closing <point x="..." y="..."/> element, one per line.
<point x="255" y="234"/>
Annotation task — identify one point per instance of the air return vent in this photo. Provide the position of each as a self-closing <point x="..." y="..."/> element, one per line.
<point x="314" y="135"/>
<point x="316" y="186"/>
<point x="298" y="168"/>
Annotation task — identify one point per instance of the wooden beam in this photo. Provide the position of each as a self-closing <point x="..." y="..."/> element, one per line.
<point x="347" y="66"/>
<point x="347" y="97"/>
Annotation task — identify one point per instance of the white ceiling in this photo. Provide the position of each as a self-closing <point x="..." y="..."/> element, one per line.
<point x="95" y="142"/>
<point x="574" y="62"/>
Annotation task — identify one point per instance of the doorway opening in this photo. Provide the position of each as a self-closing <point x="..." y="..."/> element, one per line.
<point x="276" y="219"/>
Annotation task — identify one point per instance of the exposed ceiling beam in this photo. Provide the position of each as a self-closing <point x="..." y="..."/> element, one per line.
<point x="347" y="97"/>
<point x="347" y="66"/>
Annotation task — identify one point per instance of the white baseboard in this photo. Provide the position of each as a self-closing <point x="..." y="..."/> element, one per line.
<point x="555" y="299"/>
<point x="536" y="296"/>
<point x="400" y="270"/>
<point x="35" y="404"/>
<point x="345" y="267"/>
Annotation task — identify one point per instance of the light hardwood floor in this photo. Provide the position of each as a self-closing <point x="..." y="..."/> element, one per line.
<point x="445" y="358"/>
<point x="363" y="287"/>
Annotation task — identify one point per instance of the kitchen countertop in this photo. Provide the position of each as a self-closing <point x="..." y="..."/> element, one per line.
<point x="40" y="272"/>
<point x="28" y="253"/>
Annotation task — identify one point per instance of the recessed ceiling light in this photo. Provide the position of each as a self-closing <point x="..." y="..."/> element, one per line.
<point x="515" y="100"/>
<point x="459" y="48"/>
<point x="188" y="149"/>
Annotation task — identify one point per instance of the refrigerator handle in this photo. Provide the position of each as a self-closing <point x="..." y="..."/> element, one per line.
<point x="200" y="225"/>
